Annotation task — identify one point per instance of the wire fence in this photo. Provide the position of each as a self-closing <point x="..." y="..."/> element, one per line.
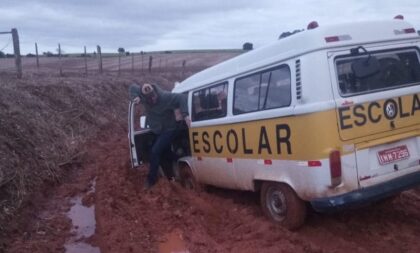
<point x="97" y="63"/>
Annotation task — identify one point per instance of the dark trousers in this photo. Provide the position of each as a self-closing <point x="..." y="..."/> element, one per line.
<point x="161" y="154"/>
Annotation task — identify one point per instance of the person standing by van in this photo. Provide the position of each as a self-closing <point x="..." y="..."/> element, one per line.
<point x="159" y="108"/>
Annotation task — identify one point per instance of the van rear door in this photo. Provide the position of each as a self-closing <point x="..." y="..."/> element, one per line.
<point x="139" y="139"/>
<point x="378" y="109"/>
<point x="382" y="100"/>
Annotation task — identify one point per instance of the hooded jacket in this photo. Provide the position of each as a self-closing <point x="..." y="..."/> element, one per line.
<point x="160" y="116"/>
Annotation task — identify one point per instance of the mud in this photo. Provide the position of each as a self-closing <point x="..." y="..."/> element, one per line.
<point x="171" y="219"/>
<point x="131" y="220"/>
<point x="173" y="243"/>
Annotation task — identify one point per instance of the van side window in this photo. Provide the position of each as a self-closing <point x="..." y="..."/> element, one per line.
<point x="394" y="69"/>
<point x="261" y="91"/>
<point x="210" y="103"/>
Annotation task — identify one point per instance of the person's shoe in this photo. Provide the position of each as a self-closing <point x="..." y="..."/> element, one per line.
<point x="147" y="185"/>
<point x="172" y="179"/>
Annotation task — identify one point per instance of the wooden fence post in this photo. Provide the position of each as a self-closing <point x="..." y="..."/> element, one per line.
<point x="119" y="63"/>
<point x="59" y="59"/>
<point x="16" y="49"/>
<point x="184" y="63"/>
<point x="150" y="63"/>
<point x="37" y="56"/>
<point x="132" y="63"/>
<point x="142" y="64"/>
<point x="86" y="67"/>
<point x="98" y="48"/>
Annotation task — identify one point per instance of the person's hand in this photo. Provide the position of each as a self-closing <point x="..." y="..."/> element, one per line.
<point x="136" y="100"/>
<point x="188" y="121"/>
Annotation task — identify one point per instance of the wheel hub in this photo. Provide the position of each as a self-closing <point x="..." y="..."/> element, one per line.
<point x="277" y="204"/>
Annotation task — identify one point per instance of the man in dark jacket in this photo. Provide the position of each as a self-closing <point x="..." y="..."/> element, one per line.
<point x="159" y="107"/>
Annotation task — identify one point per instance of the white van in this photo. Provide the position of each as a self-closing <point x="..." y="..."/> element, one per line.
<point x="329" y="116"/>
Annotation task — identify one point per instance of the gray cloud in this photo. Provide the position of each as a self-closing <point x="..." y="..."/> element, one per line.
<point x="179" y="24"/>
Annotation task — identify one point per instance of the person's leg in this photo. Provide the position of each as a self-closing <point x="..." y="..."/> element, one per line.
<point x="167" y="163"/>
<point x="162" y="142"/>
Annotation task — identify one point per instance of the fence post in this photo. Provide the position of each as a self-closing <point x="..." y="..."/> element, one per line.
<point x="59" y="59"/>
<point x="16" y="48"/>
<point x="150" y="63"/>
<point x="132" y="63"/>
<point x="119" y="63"/>
<point x="142" y="60"/>
<point x="184" y="63"/>
<point x="37" y="56"/>
<point x="98" y="48"/>
<point x="85" y="56"/>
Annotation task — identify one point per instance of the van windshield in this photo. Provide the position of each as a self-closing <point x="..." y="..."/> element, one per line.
<point x="395" y="68"/>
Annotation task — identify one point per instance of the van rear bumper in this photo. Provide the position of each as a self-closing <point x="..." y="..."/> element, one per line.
<point x="366" y="195"/>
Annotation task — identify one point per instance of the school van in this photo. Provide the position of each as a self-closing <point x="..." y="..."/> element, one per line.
<point x="328" y="117"/>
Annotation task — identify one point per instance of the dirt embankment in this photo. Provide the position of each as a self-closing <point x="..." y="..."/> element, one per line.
<point x="45" y="122"/>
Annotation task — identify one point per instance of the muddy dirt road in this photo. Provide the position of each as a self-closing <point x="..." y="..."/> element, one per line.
<point x="172" y="219"/>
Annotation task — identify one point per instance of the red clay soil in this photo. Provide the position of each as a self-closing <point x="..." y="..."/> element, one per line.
<point x="132" y="220"/>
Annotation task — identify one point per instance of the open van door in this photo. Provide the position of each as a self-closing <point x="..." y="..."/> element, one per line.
<point x="140" y="137"/>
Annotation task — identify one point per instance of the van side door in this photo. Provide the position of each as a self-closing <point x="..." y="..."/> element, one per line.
<point x="208" y="133"/>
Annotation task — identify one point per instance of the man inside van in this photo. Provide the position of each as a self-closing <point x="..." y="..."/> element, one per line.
<point x="160" y="109"/>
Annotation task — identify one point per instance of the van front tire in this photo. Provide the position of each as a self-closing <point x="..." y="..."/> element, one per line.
<point x="280" y="203"/>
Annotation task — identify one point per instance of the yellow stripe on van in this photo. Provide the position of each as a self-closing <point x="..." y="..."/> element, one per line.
<point x="310" y="136"/>
<point x="304" y="137"/>
<point x="378" y="116"/>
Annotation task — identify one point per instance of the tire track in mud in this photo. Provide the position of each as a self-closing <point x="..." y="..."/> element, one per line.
<point x="131" y="220"/>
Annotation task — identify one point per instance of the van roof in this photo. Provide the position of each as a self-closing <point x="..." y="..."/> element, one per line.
<point x="300" y="43"/>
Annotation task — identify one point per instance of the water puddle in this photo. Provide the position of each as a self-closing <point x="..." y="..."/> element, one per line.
<point x="81" y="247"/>
<point x="84" y="224"/>
<point x="174" y="243"/>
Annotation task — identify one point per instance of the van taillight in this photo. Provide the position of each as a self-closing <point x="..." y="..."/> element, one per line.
<point x="335" y="167"/>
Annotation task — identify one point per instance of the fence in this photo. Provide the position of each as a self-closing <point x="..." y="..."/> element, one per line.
<point x="99" y="62"/>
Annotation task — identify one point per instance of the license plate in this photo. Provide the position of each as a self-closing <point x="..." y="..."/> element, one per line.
<point x="393" y="155"/>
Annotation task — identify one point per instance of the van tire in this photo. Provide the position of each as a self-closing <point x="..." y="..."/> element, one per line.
<point x="187" y="178"/>
<point x="280" y="204"/>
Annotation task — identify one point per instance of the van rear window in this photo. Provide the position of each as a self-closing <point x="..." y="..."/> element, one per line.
<point x="377" y="71"/>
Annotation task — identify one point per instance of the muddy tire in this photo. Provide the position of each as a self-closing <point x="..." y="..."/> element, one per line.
<point x="280" y="203"/>
<point x="188" y="180"/>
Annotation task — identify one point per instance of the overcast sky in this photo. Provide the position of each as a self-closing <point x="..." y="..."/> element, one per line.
<point x="178" y="24"/>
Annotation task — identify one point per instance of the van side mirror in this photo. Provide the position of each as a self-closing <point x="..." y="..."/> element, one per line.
<point x="143" y="122"/>
<point x="365" y="67"/>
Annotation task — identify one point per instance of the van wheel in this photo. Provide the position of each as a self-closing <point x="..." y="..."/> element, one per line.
<point x="280" y="203"/>
<point x="187" y="178"/>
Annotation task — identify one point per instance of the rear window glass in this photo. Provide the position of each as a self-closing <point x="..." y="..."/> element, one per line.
<point x="391" y="70"/>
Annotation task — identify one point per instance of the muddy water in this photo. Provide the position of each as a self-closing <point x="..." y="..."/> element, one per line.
<point x="173" y="243"/>
<point x="84" y="224"/>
